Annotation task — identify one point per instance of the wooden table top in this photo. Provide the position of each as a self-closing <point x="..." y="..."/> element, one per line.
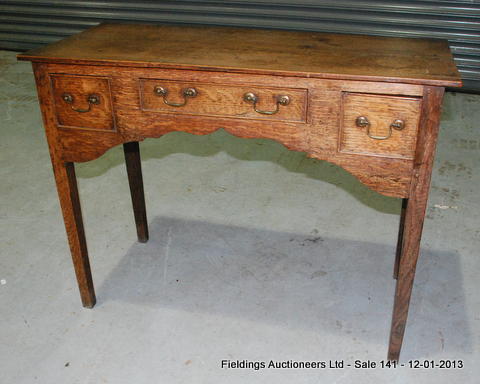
<point x="274" y="52"/>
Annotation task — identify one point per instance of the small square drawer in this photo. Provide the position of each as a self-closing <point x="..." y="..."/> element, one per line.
<point x="379" y="125"/>
<point x="211" y="99"/>
<point x="83" y="102"/>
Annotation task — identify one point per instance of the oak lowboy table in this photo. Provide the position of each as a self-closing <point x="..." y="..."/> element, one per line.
<point x="369" y="104"/>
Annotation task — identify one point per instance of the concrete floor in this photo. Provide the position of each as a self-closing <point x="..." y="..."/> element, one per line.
<point x="256" y="253"/>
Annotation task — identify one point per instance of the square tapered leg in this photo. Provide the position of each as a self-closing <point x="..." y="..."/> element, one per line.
<point x="135" y="180"/>
<point x="72" y="216"/>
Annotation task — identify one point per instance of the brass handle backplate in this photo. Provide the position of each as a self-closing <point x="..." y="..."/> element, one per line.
<point x="250" y="97"/>
<point x="92" y="99"/>
<point x="363" y="122"/>
<point x="187" y="92"/>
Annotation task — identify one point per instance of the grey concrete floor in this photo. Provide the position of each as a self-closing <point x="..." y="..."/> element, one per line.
<point x="255" y="253"/>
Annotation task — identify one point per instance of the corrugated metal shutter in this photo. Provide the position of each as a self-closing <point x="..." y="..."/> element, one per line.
<point x="27" y="24"/>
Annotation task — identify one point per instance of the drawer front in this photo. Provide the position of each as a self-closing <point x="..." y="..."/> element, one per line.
<point x="209" y="99"/>
<point x="82" y="102"/>
<point x="379" y="125"/>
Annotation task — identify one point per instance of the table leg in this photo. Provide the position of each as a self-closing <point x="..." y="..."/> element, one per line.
<point x="400" y="238"/>
<point x="406" y="272"/>
<point x="72" y="216"/>
<point x="135" y="180"/>
<point x="415" y="215"/>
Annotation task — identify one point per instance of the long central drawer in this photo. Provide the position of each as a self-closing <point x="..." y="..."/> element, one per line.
<point x="213" y="99"/>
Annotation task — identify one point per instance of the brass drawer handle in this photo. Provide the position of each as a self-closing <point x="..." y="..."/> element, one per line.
<point x="250" y="97"/>
<point x="92" y="99"/>
<point x="187" y="92"/>
<point x="363" y="122"/>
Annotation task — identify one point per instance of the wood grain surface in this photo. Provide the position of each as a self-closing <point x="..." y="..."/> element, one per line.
<point x="323" y="55"/>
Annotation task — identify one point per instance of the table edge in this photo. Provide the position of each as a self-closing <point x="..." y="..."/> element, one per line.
<point x="442" y="82"/>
